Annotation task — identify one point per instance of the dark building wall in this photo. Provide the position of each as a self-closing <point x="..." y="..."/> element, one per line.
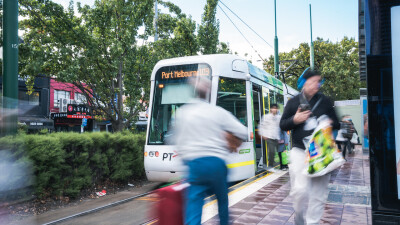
<point x="36" y="104"/>
<point x="385" y="203"/>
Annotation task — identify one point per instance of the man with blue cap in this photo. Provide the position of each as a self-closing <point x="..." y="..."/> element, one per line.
<point x="300" y="116"/>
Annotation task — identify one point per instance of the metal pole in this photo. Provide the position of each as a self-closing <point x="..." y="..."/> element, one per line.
<point x="311" y="45"/>
<point x="276" y="57"/>
<point x="155" y="21"/>
<point x="10" y="66"/>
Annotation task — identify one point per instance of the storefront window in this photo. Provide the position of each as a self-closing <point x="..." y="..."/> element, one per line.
<point x="26" y="99"/>
<point x="60" y="94"/>
<point x="80" y="98"/>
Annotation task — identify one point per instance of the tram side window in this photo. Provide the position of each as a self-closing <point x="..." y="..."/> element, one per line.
<point x="277" y="98"/>
<point x="232" y="97"/>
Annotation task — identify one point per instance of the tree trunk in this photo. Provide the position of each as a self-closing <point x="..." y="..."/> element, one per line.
<point x="119" y="123"/>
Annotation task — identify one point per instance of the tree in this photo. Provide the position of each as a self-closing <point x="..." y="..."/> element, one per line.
<point x="338" y="63"/>
<point x="103" y="53"/>
<point x="98" y="51"/>
<point x="209" y="29"/>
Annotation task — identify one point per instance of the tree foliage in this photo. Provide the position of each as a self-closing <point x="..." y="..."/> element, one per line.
<point x="106" y="51"/>
<point x="209" y="29"/>
<point x="97" y="51"/>
<point x="338" y="63"/>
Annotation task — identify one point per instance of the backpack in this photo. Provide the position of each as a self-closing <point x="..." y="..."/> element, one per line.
<point x="348" y="130"/>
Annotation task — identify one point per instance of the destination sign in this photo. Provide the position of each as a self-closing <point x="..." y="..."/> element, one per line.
<point x="182" y="74"/>
<point x="184" y="71"/>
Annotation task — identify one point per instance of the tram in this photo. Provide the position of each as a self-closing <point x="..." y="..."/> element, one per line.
<point x="237" y="86"/>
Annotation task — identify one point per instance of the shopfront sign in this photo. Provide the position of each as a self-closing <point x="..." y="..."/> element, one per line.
<point x="74" y="109"/>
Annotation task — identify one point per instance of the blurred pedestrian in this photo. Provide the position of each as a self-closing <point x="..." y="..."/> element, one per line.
<point x="347" y="130"/>
<point x="205" y="134"/>
<point x="270" y="131"/>
<point x="300" y="116"/>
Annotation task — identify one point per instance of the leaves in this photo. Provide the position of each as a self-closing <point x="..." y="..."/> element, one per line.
<point x="105" y="49"/>
<point x="338" y="63"/>
<point x="209" y="29"/>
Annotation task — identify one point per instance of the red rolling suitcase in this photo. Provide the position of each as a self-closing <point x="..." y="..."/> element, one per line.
<point x="170" y="206"/>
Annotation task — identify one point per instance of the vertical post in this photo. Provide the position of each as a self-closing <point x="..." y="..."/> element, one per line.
<point x="276" y="57"/>
<point x="155" y="21"/>
<point x="311" y="44"/>
<point x="10" y="66"/>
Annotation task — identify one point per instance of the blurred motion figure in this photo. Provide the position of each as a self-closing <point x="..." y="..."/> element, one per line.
<point x="300" y="116"/>
<point x="205" y="134"/>
<point x="270" y="131"/>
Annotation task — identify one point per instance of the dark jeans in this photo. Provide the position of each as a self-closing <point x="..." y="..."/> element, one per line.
<point x="272" y="147"/>
<point x="344" y="146"/>
<point x="206" y="174"/>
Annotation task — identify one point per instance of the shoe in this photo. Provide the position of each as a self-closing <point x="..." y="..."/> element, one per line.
<point x="284" y="169"/>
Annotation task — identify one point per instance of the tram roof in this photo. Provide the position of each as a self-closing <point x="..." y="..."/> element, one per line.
<point x="220" y="64"/>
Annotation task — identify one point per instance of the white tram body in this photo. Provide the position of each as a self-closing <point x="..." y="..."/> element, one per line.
<point x="238" y="86"/>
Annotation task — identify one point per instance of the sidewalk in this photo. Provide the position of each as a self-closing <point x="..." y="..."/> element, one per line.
<point x="348" y="201"/>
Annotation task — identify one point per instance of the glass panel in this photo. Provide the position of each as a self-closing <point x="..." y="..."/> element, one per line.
<point x="171" y="91"/>
<point x="265" y="93"/>
<point x="60" y="94"/>
<point x="80" y="98"/>
<point x="25" y="99"/>
<point x="232" y="97"/>
<point x="280" y="100"/>
<point x="34" y="98"/>
<point x="277" y="98"/>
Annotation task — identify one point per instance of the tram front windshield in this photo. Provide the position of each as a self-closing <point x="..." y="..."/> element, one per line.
<point x="171" y="91"/>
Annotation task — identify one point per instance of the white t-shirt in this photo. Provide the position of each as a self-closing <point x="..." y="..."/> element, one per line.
<point x="269" y="126"/>
<point x="200" y="130"/>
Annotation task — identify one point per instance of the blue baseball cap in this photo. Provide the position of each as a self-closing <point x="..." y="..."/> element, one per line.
<point x="307" y="73"/>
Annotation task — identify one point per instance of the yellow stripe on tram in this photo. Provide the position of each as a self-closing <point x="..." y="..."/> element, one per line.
<point x="234" y="165"/>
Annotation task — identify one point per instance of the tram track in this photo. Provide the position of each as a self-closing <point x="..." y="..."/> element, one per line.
<point x="90" y="211"/>
<point x="209" y="200"/>
<point x="232" y="189"/>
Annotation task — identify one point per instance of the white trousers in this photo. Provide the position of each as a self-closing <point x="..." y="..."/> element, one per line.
<point x="304" y="188"/>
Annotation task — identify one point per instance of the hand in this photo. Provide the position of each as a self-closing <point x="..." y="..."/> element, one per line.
<point x="233" y="142"/>
<point x="301" y="117"/>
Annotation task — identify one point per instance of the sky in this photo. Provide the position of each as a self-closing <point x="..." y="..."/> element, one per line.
<point x="331" y="19"/>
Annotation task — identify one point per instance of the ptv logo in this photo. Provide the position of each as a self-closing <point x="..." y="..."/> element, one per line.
<point x="169" y="156"/>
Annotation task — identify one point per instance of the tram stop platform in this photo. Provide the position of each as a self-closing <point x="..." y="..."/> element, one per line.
<point x="266" y="200"/>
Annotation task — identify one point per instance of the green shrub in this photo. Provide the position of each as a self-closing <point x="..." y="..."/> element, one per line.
<point x="67" y="163"/>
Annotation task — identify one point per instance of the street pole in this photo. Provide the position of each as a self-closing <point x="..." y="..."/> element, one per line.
<point x="311" y="45"/>
<point x="155" y="21"/>
<point x="276" y="58"/>
<point x="10" y="66"/>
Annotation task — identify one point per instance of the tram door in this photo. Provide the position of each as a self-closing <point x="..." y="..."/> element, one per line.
<point x="258" y="113"/>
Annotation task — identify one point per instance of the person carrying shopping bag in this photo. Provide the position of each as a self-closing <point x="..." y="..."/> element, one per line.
<point x="300" y="116"/>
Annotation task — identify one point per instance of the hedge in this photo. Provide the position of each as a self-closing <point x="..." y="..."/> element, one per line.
<point x="64" y="164"/>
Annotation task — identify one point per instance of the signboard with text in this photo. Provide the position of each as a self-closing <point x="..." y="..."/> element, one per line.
<point x="74" y="109"/>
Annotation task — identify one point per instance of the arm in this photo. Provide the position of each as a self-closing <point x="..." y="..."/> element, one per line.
<point x="286" y="122"/>
<point x="232" y="125"/>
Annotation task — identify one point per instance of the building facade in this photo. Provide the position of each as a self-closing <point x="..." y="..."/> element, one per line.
<point x="68" y="108"/>
<point x="33" y="108"/>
